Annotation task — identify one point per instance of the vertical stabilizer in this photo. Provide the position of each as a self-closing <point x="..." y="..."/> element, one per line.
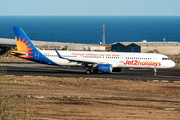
<point x="26" y="49"/>
<point x="22" y="40"/>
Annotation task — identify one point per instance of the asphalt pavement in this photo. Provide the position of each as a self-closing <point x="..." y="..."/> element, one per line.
<point x="36" y="69"/>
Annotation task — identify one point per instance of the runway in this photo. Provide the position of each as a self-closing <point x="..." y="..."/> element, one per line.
<point x="36" y="69"/>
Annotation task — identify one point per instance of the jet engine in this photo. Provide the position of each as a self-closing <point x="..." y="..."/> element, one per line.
<point x="107" y="68"/>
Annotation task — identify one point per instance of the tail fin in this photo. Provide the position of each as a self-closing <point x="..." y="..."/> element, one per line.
<point x="25" y="47"/>
<point x="22" y="40"/>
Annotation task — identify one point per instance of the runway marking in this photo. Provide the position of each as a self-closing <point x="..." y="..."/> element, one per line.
<point x="155" y="80"/>
<point x="140" y="69"/>
<point x="165" y="81"/>
<point x="94" y="78"/>
<point x="176" y="81"/>
<point x="10" y="75"/>
<point x="28" y="76"/>
<point x="169" y="108"/>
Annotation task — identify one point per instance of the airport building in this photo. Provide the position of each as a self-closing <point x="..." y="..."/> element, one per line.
<point x="167" y="48"/>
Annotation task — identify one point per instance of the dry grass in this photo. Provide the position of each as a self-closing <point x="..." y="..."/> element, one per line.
<point x="78" y="98"/>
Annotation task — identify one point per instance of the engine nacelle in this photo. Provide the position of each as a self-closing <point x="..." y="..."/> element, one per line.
<point x="117" y="70"/>
<point x="107" y="68"/>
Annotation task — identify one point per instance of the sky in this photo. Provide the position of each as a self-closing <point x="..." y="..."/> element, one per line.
<point x="89" y="7"/>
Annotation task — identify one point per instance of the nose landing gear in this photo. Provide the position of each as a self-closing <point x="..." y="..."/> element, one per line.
<point x="155" y="71"/>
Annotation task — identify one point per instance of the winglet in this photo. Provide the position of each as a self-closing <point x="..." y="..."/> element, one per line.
<point x="89" y="49"/>
<point x="58" y="53"/>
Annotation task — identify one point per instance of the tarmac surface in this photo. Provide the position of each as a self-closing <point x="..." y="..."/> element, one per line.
<point x="36" y="69"/>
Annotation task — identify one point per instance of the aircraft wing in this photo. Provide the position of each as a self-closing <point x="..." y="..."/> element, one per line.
<point x="85" y="61"/>
<point x="80" y="60"/>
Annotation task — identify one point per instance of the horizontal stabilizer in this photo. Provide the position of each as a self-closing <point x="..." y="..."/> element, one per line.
<point x="19" y="53"/>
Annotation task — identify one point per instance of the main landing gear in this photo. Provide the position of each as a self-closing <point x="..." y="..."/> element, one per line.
<point x="155" y="71"/>
<point x="88" y="72"/>
<point x="92" y="70"/>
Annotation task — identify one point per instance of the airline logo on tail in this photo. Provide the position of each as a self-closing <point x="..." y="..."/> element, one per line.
<point x="24" y="45"/>
<point x="26" y="49"/>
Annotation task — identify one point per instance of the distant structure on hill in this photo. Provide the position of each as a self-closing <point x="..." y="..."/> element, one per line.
<point x="103" y="34"/>
<point x="167" y="48"/>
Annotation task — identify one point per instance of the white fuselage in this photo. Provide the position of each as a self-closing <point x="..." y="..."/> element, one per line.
<point x="116" y="59"/>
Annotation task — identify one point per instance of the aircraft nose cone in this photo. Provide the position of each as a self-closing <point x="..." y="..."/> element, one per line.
<point x="172" y="63"/>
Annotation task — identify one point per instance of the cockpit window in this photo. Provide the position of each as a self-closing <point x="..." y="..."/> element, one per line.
<point x="165" y="59"/>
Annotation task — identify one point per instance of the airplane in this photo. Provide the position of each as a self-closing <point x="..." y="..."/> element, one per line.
<point x="96" y="62"/>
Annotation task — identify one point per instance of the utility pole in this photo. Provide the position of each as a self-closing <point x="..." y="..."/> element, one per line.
<point x="103" y="34"/>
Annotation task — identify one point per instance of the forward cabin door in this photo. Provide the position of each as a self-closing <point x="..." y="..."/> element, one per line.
<point x="153" y="59"/>
<point x="121" y="59"/>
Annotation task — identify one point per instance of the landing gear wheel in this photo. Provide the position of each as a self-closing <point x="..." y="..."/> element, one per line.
<point x="88" y="72"/>
<point x="95" y="71"/>
<point x="155" y="71"/>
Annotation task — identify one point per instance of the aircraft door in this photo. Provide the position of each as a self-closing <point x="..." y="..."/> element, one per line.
<point x="37" y="55"/>
<point x="121" y="59"/>
<point x="154" y="58"/>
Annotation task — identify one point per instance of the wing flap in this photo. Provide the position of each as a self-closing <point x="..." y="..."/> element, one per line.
<point x="86" y="61"/>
